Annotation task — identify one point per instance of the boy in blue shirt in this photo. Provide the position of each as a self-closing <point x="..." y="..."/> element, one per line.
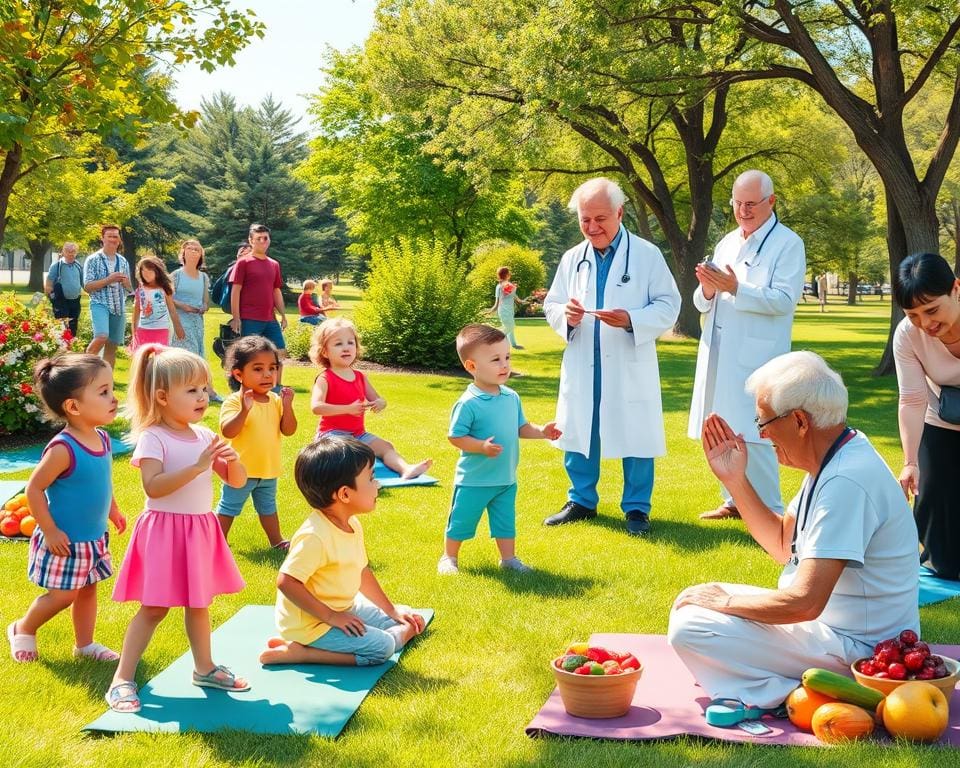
<point x="486" y="424"/>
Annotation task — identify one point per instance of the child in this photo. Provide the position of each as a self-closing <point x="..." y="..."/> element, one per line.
<point x="330" y="607"/>
<point x="504" y="299"/>
<point x="341" y="394"/>
<point x="71" y="495"/>
<point x="177" y="554"/>
<point x="310" y="311"/>
<point x="153" y="306"/>
<point x="485" y="425"/>
<point x="327" y="301"/>
<point x="252" y="420"/>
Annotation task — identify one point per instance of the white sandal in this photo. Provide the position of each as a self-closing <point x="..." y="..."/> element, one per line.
<point x="97" y="652"/>
<point x="21" y="644"/>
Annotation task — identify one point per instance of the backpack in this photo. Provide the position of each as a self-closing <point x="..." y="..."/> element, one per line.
<point x="220" y="289"/>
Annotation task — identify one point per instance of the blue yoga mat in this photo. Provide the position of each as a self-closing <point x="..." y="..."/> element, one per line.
<point x="390" y="479"/>
<point x="27" y="458"/>
<point x="934" y="590"/>
<point x="308" y="698"/>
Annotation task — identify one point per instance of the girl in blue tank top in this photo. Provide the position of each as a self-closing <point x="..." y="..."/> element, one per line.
<point x="71" y="496"/>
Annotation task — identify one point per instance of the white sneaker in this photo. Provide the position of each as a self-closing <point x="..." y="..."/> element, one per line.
<point x="515" y="564"/>
<point x="447" y="566"/>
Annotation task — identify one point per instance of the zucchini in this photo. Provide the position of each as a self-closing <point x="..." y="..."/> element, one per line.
<point x="842" y="688"/>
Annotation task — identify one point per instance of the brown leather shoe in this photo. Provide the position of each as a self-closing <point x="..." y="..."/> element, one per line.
<point x="722" y="512"/>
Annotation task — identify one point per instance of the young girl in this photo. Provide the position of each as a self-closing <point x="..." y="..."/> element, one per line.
<point x="153" y="306"/>
<point x="342" y="394"/>
<point x="326" y="296"/>
<point x="503" y="305"/>
<point x="71" y="495"/>
<point x="330" y="608"/>
<point x="252" y="420"/>
<point x="177" y="556"/>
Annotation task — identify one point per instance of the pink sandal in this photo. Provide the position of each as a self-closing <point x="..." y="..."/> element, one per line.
<point x="22" y="645"/>
<point x="97" y="652"/>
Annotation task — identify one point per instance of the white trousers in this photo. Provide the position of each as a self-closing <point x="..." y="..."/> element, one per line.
<point x="759" y="664"/>
<point x="763" y="472"/>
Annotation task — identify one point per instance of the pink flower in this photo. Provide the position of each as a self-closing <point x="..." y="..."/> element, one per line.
<point x="38" y="337"/>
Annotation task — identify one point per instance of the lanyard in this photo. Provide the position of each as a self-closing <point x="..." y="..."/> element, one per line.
<point x="845" y="437"/>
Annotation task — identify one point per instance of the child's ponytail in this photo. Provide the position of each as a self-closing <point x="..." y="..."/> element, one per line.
<point x="154" y="368"/>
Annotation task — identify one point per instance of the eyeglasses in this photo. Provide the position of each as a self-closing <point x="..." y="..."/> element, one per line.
<point x="748" y="205"/>
<point x="761" y="425"/>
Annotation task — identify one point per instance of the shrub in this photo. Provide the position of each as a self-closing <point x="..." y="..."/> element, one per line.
<point x="416" y="302"/>
<point x="526" y="268"/>
<point x="532" y="306"/>
<point x="28" y="332"/>
<point x="297" y="337"/>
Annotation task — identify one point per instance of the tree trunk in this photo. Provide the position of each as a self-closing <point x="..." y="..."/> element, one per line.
<point x="851" y="288"/>
<point x="129" y="240"/>
<point x="8" y="177"/>
<point x="688" y="322"/>
<point x="38" y="252"/>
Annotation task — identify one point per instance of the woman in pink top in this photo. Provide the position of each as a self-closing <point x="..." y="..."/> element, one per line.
<point x="926" y="347"/>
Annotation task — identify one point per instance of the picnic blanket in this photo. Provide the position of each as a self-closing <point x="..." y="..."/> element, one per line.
<point x="669" y="703"/>
<point x="309" y="698"/>
<point x="29" y="457"/>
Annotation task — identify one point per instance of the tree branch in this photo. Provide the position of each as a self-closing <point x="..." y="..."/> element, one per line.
<point x="930" y="64"/>
<point x="946" y="146"/>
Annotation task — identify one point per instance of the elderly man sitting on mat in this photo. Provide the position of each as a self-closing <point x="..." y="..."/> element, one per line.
<point x="847" y="542"/>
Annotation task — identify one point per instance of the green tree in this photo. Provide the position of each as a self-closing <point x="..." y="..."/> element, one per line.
<point x="526" y="267"/>
<point x="69" y="67"/>
<point x="387" y="182"/>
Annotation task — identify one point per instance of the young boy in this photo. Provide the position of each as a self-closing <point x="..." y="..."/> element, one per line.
<point x="310" y="311"/>
<point x="330" y="607"/>
<point x="486" y="424"/>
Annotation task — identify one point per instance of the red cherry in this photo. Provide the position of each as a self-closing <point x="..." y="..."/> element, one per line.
<point x="879" y="666"/>
<point x="890" y="655"/>
<point x="897" y="672"/>
<point x="921" y="647"/>
<point x="867" y="668"/>
<point x="940" y="671"/>
<point x="908" y="637"/>
<point x="913" y="661"/>
<point x="925" y="674"/>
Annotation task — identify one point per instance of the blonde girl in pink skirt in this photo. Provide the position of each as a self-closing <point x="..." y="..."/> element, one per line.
<point x="178" y="556"/>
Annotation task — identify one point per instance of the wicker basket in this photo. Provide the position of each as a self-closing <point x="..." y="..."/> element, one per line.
<point x="596" y="696"/>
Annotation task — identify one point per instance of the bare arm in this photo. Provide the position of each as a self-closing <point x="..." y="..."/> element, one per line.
<point x="232" y="426"/>
<point x="175" y="316"/>
<point x="235" y="289"/>
<point x="54" y="462"/>
<point x="548" y="431"/>
<point x="297" y="593"/>
<point x="469" y="444"/>
<point x="288" y="417"/>
<point x="280" y="307"/>
<point x="376" y="402"/>
<point x="320" y="406"/>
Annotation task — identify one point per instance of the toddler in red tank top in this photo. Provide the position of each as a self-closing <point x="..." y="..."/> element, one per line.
<point x="342" y="395"/>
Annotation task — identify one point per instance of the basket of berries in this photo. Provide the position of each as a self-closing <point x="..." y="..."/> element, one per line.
<point x="596" y="682"/>
<point x="904" y="658"/>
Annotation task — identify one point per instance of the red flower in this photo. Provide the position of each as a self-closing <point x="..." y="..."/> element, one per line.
<point x="26" y="388"/>
<point x="67" y="334"/>
<point x="3" y="338"/>
<point x="508" y="288"/>
<point x="9" y="310"/>
<point x="25" y="326"/>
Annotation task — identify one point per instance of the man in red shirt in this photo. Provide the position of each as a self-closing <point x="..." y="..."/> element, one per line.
<point x="255" y="295"/>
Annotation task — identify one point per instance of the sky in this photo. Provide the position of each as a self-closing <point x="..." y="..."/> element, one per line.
<point x="286" y="61"/>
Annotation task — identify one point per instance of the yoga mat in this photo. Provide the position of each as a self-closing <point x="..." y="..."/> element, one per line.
<point x="309" y="698"/>
<point x="390" y="479"/>
<point x="934" y="590"/>
<point x="27" y="458"/>
<point x="669" y="703"/>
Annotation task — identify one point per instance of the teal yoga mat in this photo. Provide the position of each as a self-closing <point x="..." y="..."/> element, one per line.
<point x="934" y="590"/>
<point x="390" y="479"/>
<point x="309" y="698"/>
<point x="27" y="458"/>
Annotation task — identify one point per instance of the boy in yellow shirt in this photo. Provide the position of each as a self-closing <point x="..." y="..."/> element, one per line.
<point x="330" y="607"/>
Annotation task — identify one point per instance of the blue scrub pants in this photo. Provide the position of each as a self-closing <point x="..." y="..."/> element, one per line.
<point x="584" y="471"/>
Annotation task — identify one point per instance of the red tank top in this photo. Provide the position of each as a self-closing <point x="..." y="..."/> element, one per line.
<point x="341" y="392"/>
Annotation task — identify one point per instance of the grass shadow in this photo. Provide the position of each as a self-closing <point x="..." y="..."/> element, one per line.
<point x="540" y="582"/>
<point x="680" y="535"/>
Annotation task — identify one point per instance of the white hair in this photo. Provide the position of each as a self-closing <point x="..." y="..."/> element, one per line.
<point x="68" y="244"/>
<point x="747" y="177"/>
<point x="590" y="188"/>
<point x="801" y="381"/>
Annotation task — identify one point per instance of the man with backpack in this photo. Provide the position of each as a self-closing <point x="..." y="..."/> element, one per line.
<point x="63" y="286"/>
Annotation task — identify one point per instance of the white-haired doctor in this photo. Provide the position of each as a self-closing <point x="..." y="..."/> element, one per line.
<point x="847" y="542"/>
<point x="612" y="296"/>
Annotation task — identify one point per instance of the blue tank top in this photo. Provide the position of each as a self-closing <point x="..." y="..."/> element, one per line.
<point x="79" y="499"/>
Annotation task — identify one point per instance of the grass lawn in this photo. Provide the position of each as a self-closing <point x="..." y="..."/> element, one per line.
<point x="464" y="692"/>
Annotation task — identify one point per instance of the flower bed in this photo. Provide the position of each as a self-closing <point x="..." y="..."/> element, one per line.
<point x="28" y="332"/>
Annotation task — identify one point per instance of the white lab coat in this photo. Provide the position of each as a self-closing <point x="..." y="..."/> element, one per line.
<point x="757" y="323"/>
<point x="631" y="417"/>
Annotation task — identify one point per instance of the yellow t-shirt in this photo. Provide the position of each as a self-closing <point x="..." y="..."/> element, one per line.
<point x="259" y="441"/>
<point x="329" y="562"/>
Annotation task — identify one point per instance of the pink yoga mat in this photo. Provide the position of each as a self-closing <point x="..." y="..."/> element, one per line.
<point x="669" y="703"/>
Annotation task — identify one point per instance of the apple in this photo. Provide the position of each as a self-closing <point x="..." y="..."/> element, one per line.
<point x="917" y="711"/>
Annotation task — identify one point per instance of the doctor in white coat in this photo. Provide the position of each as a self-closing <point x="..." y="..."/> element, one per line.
<point x="748" y="291"/>
<point x="612" y="296"/>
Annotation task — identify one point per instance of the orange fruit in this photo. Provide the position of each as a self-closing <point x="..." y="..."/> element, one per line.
<point x="10" y="505"/>
<point x="802" y="703"/>
<point x="27" y="525"/>
<point x="9" y="526"/>
<point x="21" y="500"/>
<point x="917" y="711"/>
<point x="838" y="721"/>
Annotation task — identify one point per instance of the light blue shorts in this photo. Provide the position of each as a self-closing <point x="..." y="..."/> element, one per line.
<point x="467" y="507"/>
<point x="269" y="329"/>
<point x="264" y="494"/>
<point x="383" y="637"/>
<point x="366" y="438"/>
<point x="107" y="325"/>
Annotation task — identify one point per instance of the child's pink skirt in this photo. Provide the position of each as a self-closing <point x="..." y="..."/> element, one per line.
<point x="150" y="336"/>
<point x="177" y="560"/>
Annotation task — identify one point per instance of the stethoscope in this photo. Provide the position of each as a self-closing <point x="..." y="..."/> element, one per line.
<point x="756" y="254"/>
<point x="624" y="278"/>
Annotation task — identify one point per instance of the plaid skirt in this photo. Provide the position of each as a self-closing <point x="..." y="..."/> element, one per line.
<point x="87" y="563"/>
